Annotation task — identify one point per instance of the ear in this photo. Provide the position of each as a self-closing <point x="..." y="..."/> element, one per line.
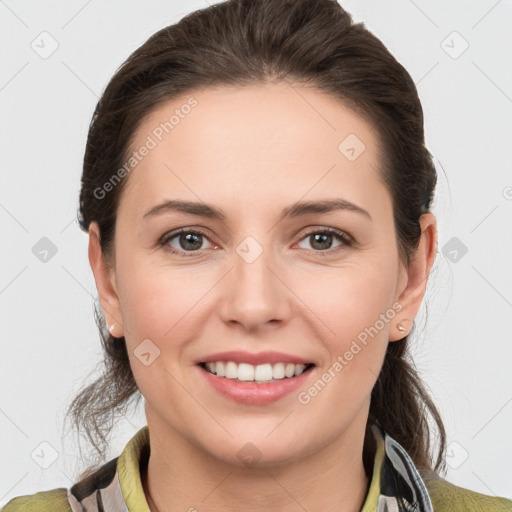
<point x="416" y="277"/>
<point x="105" y="277"/>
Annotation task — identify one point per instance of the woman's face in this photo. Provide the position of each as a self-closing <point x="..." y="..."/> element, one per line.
<point x="259" y="277"/>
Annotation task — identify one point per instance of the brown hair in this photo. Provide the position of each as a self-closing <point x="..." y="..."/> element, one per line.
<point x="238" y="42"/>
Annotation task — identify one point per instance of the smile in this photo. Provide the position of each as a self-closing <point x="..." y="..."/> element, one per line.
<point x="257" y="385"/>
<point x="262" y="373"/>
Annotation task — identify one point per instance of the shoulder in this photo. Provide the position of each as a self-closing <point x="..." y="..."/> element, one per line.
<point x="96" y="484"/>
<point x="57" y="500"/>
<point x="449" y="497"/>
<point x="54" y="500"/>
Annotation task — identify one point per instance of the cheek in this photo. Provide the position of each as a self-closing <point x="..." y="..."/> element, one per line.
<point x="353" y="316"/>
<point x="350" y="300"/>
<point x="160" y="303"/>
<point x="158" y="315"/>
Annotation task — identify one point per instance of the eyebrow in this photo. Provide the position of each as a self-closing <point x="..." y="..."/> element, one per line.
<point x="295" y="210"/>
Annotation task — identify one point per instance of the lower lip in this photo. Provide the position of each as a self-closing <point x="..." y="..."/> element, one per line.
<point x="252" y="393"/>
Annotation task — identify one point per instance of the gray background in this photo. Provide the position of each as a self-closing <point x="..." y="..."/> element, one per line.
<point x="49" y="340"/>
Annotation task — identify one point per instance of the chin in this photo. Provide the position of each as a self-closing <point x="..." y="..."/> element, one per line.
<point x="259" y="452"/>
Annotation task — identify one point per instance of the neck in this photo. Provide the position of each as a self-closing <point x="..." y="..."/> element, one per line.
<point x="181" y="477"/>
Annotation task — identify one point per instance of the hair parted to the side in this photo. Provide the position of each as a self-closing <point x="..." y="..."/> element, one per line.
<point x="312" y="43"/>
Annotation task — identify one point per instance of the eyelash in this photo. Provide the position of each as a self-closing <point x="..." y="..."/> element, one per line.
<point x="347" y="241"/>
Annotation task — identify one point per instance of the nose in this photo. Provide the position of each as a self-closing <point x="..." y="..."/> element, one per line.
<point x="255" y="293"/>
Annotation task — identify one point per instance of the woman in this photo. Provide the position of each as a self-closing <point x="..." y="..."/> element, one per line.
<point x="256" y="190"/>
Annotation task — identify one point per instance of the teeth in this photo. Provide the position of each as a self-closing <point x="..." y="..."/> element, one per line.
<point x="231" y="370"/>
<point x="299" y="369"/>
<point x="245" y="372"/>
<point x="219" y="368"/>
<point x="289" y="371"/>
<point x="262" y="372"/>
<point x="278" y="371"/>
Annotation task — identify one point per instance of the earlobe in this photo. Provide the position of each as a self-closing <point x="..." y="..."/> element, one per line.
<point x="105" y="279"/>
<point x="417" y="275"/>
<point x="400" y="330"/>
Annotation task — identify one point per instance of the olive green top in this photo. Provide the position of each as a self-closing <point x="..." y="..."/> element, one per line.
<point x="395" y="486"/>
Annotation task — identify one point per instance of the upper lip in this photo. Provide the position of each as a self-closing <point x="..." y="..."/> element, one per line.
<point x="239" y="356"/>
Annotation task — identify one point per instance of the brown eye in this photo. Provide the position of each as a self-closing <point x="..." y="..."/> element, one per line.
<point x="321" y="240"/>
<point x="187" y="241"/>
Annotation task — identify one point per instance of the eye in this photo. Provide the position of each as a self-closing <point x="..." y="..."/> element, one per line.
<point x="188" y="241"/>
<point x="322" y="238"/>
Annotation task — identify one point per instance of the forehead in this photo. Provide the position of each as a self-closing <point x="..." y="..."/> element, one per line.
<point x="266" y="140"/>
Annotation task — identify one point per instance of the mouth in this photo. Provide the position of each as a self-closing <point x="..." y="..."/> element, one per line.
<point x="265" y="373"/>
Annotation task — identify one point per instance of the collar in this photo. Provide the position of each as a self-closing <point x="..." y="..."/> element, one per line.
<point x="396" y="485"/>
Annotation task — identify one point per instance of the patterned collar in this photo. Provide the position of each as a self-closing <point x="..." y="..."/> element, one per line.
<point x="396" y="485"/>
<point x="401" y="487"/>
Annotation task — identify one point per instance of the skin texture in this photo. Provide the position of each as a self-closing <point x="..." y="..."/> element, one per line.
<point x="253" y="151"/>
